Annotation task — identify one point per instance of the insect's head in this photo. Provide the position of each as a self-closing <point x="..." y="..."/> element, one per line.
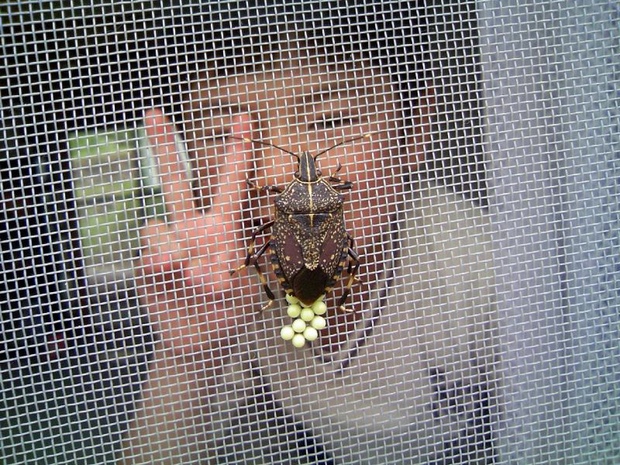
<point x="307" y="170"/>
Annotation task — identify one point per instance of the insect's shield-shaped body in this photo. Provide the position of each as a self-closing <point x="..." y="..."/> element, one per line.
<point x="309" y="244"/>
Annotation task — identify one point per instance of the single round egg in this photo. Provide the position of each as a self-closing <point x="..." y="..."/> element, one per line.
<point x="293" y="310"/>
<point x="287" y="332"/>
<point x="299" y="325"/>
<point x="291" y="299"/>
<point x="299" y="341"/>
<point x="307" y="314"/>
<point x="318" y="322"/>
<point x="319" y="307"/>
<point x="311" y="334"/>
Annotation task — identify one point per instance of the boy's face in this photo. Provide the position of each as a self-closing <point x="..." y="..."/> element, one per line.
<point x="306" y="104"/>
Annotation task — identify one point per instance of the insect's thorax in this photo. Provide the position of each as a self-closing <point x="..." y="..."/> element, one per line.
<point x="309" y="198"/>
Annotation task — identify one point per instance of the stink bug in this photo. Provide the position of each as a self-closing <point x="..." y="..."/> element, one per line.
<point x="309" y="245"/>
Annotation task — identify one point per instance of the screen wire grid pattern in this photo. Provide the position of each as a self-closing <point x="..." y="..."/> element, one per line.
<point x="483" y="204"/>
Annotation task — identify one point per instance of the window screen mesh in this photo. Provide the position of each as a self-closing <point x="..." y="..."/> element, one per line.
<point x="481" y="206"/>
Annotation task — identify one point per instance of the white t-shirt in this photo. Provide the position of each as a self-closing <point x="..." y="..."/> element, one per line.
<point x="414" y="383"/>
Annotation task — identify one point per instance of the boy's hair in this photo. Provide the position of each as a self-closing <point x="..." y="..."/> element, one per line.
<point x="234" y="44"/>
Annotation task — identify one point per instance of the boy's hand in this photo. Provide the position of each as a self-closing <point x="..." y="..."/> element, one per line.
<point x="183" y="272"/>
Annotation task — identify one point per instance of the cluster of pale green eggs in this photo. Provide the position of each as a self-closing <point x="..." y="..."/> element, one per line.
<point x="307" y="321"/>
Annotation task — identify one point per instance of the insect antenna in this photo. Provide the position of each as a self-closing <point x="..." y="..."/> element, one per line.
<point x="368" y="135"/>
<point x="267" y="144"/>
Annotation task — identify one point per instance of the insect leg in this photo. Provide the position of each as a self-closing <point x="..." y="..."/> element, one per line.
<point x="351" y="248"/>
<point x="339" y="183"/>
<point x="262" y="277"/>
<point x="354" y="258"/>
<point x="270" y="188"/>
<point x="251" y="254"/>
<point x="343" y="186"/>
<point x="332" y="177"/>
<point x="254" y="256"/>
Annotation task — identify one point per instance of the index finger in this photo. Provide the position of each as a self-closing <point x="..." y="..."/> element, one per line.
<point x="236" y="168"/>
<point x="176" y="186"/>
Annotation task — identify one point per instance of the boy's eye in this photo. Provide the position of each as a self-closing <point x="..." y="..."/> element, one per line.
<point x="215" y="136"/>
<point x="333" y="121"/>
